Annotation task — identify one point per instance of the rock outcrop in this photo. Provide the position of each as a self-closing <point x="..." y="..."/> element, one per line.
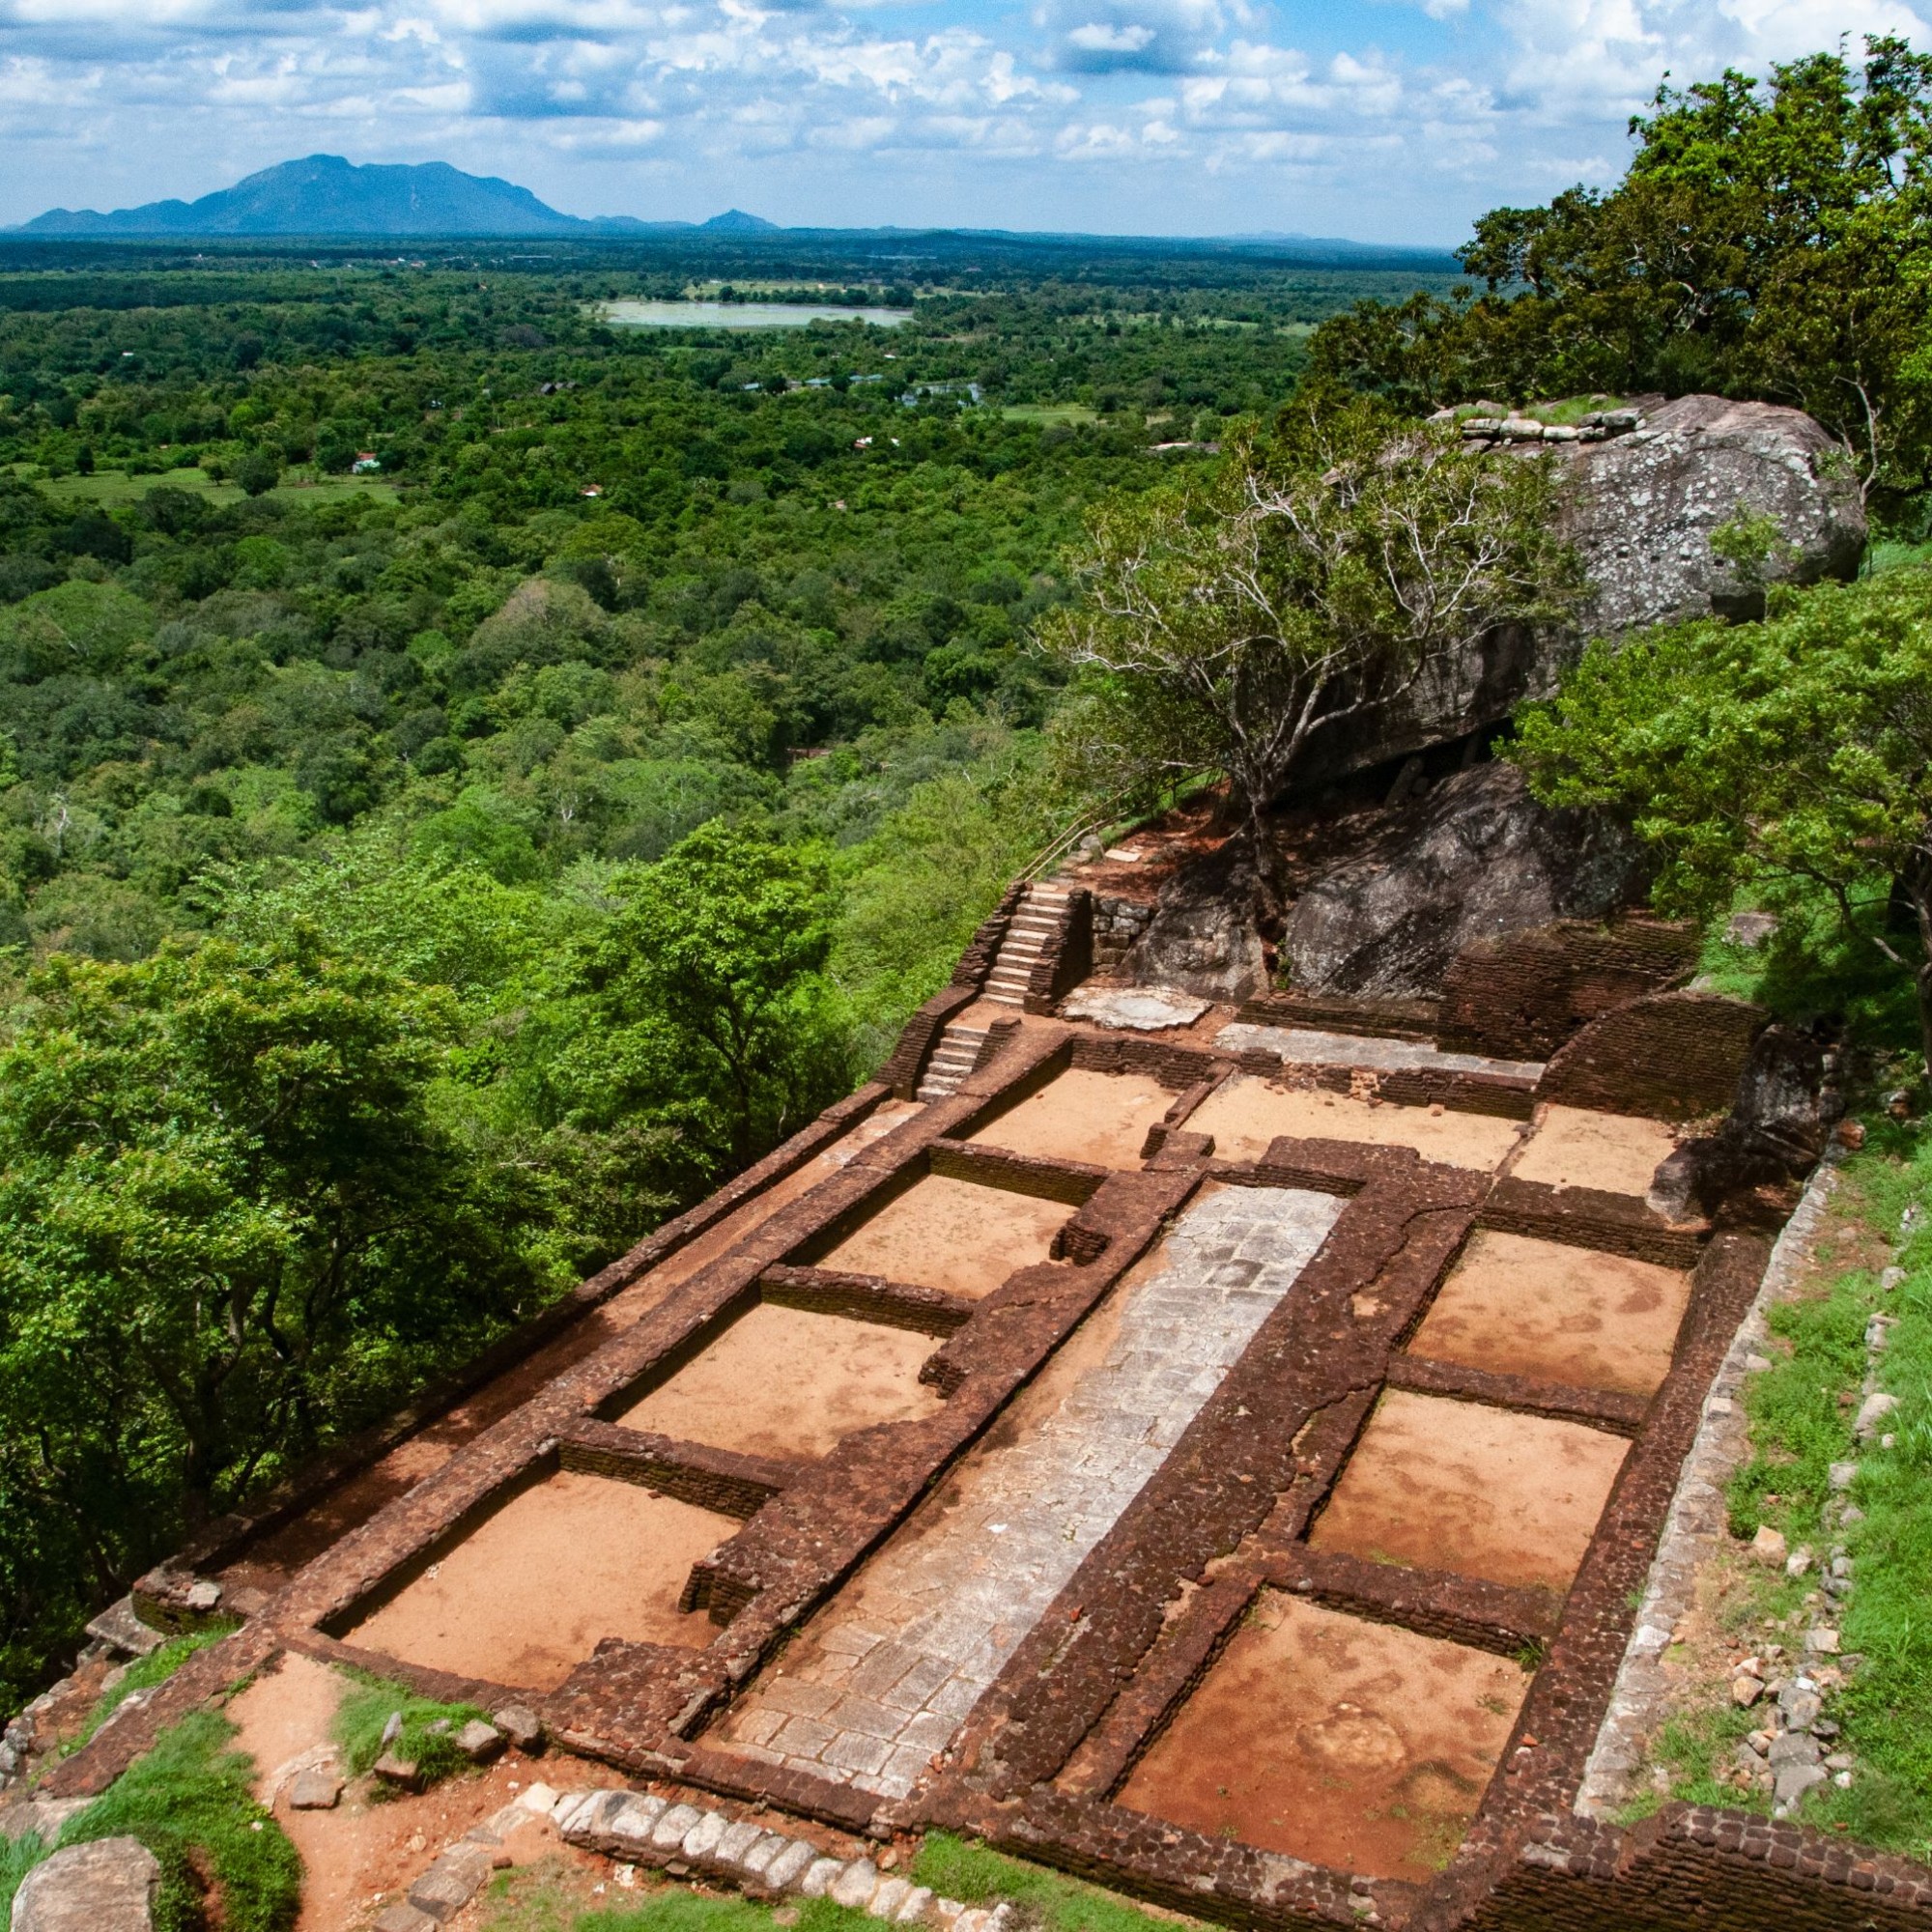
<point x="1476" y="858"/>
<point x="1642" y="508"/>
<point x="1203" y="938"/>
<point x="108" y="1886"/>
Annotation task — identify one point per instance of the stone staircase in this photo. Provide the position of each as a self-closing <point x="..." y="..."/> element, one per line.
<point x="952" y="1059"/>
<point x="1027" y="935"/>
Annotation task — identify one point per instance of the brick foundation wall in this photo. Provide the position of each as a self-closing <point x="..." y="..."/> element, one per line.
<point x="1520" y="995"/>
<point x="1669" y="1056"/>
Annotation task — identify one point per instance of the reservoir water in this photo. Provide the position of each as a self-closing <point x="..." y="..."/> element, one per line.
<point x="743" y="314"/>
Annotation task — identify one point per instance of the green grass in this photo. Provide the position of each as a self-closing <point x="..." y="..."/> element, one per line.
<point x="956" y="1869"/>
<point x="188" y="1801"/>
<point x="1693" y="1747"/>
<point x="145" y="1673"/>
<point x="17" y="1858"/>
<point x="1799" y="1427"/>
<point x="114" y="489"/>
<point x="676" y="1910"/>
<point x="1049" y="413"/>
<point x="427" y="1739"/>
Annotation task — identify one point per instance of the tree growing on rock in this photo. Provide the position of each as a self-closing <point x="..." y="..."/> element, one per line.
<point x="1792" y="756"/>
<point x="1319" y="576"/>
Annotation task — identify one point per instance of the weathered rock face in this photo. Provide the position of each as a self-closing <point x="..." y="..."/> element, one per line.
<point x="106" y="1886"/>
<point x="1203" y="938"/>
<point x="1474" y="859"/>
<point x="1642" y="508"/>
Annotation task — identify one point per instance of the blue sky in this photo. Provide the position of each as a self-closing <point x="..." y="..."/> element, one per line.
<point x="1382" y="120"/>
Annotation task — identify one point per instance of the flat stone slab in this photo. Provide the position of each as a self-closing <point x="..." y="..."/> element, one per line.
<point x="1305" y="1046"/>
<point x="106" y="1886"/>
<point x="1135" y="1009"/>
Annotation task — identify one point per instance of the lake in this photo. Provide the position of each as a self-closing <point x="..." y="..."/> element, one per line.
<point x="742" y="315"/>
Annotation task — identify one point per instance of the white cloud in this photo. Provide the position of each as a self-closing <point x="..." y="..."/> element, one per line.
<point x="1354" y="116"/>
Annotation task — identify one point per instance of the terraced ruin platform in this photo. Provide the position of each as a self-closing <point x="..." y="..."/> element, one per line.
<point x="1219" y="1460"/>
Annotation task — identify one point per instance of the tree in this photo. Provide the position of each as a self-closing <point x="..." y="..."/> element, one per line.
<point x="231" y="1229"/>
<point x="710" y="984"/>
<point x="258" y="472"/>
<point x="1312" y="581"/>
<point x="1771" y="239"/>
<point x="1793" y="756"/>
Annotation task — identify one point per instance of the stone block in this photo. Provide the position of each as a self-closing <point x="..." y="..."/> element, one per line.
<point x="790" y="1865"/>
<point x="521" y="1725"/>
<point x="319" y="1788"/>
<point x="392" y="1770"/>
<point x="106" y="1886"/>
<point x="915" y="1905"/>
<point x="452" y="1881"/>
<point x="632" y="1824"/>
<point x="820" y="1877"/>
<point x="668" y="1834"/>
<point x="855" y="1885"/>
<point x="479" y="1742"/>
<point x="738" y="1838"/>
<point x="403" y="1917"/>
<point x="887" y="1898"/>
<point x="702" y="1839"/>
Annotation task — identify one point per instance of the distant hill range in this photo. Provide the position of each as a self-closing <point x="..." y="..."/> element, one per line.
<point x="328" y="195"/>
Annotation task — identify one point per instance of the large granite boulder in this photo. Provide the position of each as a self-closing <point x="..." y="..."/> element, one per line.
<point x="1642" y="508"/>
<point x="1204" y="938"/>
<point x="1474" y="859"/>
<point x="108" y="1886"/>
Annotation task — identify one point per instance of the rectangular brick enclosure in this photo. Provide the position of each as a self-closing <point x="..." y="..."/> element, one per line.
<point x="1219" y="1457"/>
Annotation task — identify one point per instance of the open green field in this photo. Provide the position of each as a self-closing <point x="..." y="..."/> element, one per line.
<point x="112" y="487"/>
<point x="1050" y="413"/>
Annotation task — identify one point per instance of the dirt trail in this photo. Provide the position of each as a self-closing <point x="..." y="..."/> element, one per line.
<point x="366" y="1853"/>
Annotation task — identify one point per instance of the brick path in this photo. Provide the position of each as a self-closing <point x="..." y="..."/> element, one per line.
<point x="867" y="1702"/>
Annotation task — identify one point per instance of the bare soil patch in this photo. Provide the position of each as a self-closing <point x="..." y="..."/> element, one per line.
<point x="1617" y="1154"/>
<point x="786" y="1381"/>
<point x="1483" y="1492"/>
<point x="1357" y="1745"/>
<point x="276" y="1558"/>
<point x="1101" y="1118"/>
<point x="569" y="1561"/>
<point x="953" y="1235"/>
<point x="1518" y="1306"/>
<point x="1247" y="1113"/>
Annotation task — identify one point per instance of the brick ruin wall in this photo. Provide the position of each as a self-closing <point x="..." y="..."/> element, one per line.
<point x="1036" y="1767"/>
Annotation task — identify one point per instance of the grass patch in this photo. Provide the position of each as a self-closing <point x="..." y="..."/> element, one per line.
<point x="1068" y="413"/>
<point x="956" y="1869"/>
<point x="1800" y="1412"/>
<point x="114" y="489"/>
<point x="145" y="1673"/>
<point x="17" y="1858"/>
<point x="427" y="1739"/>
<point x="1695" y="1746"/>
<point x="677" y="1910"/>
<point x="188" y="1801"/>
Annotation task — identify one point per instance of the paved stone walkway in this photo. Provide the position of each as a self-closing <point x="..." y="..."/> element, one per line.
<point x="1305" y="1046"/>
<point x="893" y="1667"/>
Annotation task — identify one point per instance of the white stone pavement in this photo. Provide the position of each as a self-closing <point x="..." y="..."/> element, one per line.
<point x="867" y="1699"/>
<point x="1306" y="1046"/>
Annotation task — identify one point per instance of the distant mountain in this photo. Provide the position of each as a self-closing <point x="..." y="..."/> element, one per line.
<point x="328" y="195"/>
<point x="735" y="221"/>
